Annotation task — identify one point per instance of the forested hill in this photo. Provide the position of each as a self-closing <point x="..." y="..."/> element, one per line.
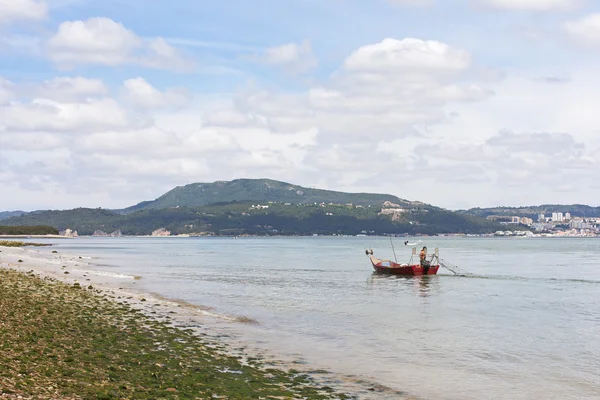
<point x="260" y="190"/>
<point x="229" y="208"/>
<point x="8" y="214"/>
<point x="577" y="210"/>
<point x="238" y="218"/>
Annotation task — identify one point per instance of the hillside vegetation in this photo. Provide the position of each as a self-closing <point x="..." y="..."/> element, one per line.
<point x="237" y="218"/>
<point x="30" y="229"/>
<point x="8" y="214"/>
<point x="259" y="190"/>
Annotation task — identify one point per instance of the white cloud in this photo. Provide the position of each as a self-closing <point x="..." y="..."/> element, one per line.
<point x="408" y="55"/>
<point x="97" y="139"/>
<point x="533" y="5"/>
<point x="294" y="57"/>
<point x="391" y="88"/>
<point x="97" y="40"/>
<point x="585" y="30"/>
<point x="411" y="111"/>
<point x="141" y="94"/>
<point x="156" y="143"/>
<point x="30" y="141"/>
<point x="14" y="10"/>
<point x="161" y="55"/>
<point x="230" y="118"/>
<point x="49" y="115"/>
<point x="70" y="88"/>
<point x="106" y="42"/>
<point x="6" y="91"/>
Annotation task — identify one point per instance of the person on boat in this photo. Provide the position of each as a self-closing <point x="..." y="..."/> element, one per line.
<point x="423" y="257"/>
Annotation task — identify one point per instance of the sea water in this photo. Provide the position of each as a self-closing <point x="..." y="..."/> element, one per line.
<point x="525" y="325"/>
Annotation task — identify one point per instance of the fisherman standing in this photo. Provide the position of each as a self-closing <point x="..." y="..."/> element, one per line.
<point x="424" y="263"/>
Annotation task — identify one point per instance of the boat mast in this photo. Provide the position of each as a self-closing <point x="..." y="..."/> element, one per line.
<point x="394" y="250"/>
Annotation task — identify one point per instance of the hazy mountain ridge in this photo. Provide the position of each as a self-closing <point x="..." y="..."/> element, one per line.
<point x="8" y="214"/>
<point x="578" y="210"/>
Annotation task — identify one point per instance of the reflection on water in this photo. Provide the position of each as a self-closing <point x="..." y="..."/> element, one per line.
<point x="426" y="284"/>
<point x="422" y="286"/>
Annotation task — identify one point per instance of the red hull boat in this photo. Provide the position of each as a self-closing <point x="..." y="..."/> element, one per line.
<point x="390" y="267"/>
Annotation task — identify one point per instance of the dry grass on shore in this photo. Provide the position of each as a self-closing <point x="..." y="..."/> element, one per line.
<point x="71" y="342"/>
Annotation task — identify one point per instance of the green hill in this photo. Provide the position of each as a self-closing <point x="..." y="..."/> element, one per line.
<point x="8" y="214"/>
<point x="259" y="190"/>
<point x="229" y="208"/>
<point x="237" y="218"/>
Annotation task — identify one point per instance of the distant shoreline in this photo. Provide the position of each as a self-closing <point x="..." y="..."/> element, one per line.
<point x="35" y="237"/>
<point x="185" y="236"/>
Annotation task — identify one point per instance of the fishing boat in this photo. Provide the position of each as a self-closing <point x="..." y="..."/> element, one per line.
<point x="408" y="269"/>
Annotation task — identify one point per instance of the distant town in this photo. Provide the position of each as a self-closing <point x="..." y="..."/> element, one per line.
<point x="558" y="224"/>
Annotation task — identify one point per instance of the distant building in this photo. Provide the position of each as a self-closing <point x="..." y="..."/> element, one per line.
<point x="557" y="217"/>
<point x="526" y="221"/>
<point x="541" y="226"/>
<point x="541" y="218"/>
<point x="580" y="225"/>
<point x="567" y="216"/>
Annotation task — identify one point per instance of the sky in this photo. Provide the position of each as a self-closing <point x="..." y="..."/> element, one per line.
<point x="457" y="103"/>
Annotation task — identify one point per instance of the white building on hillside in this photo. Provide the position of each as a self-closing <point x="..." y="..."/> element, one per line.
<point x="557" y="217"/>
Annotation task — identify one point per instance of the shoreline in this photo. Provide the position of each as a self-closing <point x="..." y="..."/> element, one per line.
<point x="71" y="270"/>
<point x="246" y="236"/>
<point x="36" y="237"/>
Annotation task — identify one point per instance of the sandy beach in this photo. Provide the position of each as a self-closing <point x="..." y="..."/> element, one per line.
<point x="71" y="270"/>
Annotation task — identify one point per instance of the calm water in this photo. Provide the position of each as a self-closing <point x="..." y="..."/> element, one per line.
<point x="526" y="326"/>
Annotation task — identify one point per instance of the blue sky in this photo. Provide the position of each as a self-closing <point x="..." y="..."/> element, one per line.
<point x="303" y="90"/>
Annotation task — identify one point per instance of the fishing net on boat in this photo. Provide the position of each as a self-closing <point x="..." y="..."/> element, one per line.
<point x="454" y="268"/>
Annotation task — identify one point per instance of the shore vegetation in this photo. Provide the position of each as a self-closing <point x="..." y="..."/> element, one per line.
<point x="72" y="341"/>
<point x="28" y="230"/>
<point x="14" y="243"/>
